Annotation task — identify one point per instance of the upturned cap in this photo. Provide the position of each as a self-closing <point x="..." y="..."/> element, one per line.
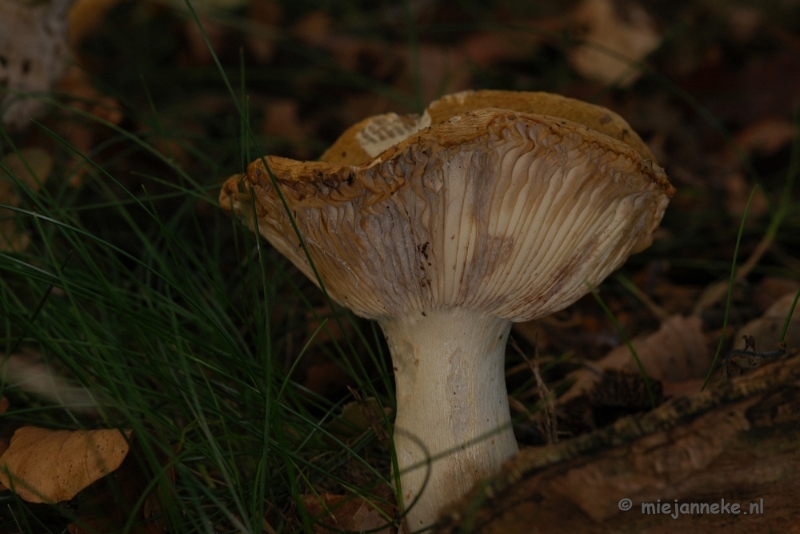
<point x="501" y="202"/>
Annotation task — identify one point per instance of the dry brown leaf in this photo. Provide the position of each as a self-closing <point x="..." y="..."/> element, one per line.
<point x="43" y="465"/>
<point x="345" y="512"/>
<point x="29" y="371"/>
<point x="766" y="330"/>
<point x="357" y="416"/>
<point x="733" y="443"/>
<point x="766" y="136"/>
<point x="631" y="35"/>
<point x="676" y="352"/>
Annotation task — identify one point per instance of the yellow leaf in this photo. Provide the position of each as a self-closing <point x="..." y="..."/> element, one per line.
<point x="44" y="465"/>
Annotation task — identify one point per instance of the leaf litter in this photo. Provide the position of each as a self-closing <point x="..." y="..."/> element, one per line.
<point x="674" y="334"/>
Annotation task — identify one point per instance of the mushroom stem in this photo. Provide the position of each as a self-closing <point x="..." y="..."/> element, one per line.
<point x="451" y="405"/>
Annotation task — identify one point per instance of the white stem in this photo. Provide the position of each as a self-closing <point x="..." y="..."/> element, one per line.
<point x="451" y="405"/>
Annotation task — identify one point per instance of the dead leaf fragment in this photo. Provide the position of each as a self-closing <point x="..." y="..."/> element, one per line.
<point x="766" y="136"/>
<point x="676" y="352"/>
<point x="29" y="371"/>
<point x="614" y="39"/>
<point x="43" y="465"/>
<point x="347" y="513"/>
<point x="357" y="416"/>
<point x="766" y="330"/>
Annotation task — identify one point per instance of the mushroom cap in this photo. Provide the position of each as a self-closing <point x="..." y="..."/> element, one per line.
<point x="506" y="212"/>
<point x="368" y="138"/>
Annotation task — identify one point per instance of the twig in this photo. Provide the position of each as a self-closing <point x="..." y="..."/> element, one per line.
<point x="753" y="356"/>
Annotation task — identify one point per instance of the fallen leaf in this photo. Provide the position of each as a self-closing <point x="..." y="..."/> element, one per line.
<point x="766" y="136"/>
<point x="43" y="465"/>
<point x="346" y="512"/>
<point x="357" y="416"/>
<point x="29" y="372"/>
<point x="614" y="40"/>
<point x="676" y="352"/>
<point x="766" y="330"/>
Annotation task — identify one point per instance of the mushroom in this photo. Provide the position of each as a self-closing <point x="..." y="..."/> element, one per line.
<point x="492" y="207"/>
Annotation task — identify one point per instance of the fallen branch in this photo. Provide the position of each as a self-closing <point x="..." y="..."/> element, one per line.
<point x="737" y="442"/>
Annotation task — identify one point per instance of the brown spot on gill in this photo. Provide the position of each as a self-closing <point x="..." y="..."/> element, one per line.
<point x="423" y="250"/>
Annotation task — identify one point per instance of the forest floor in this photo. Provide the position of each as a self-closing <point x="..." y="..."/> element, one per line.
<point x="236" y="398"/>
